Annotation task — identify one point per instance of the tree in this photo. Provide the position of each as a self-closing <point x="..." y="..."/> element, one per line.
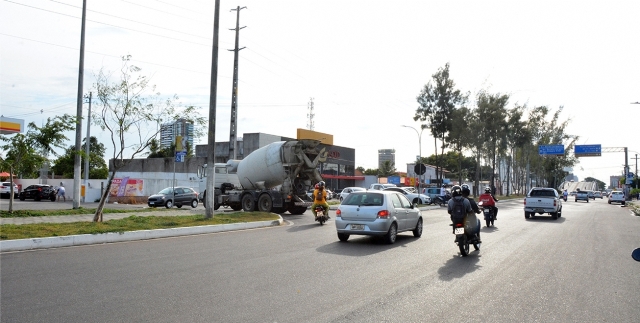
<point x="127" y="110"/>
<point x="26" y="153"/>
<point x="492" y="114"/>
<point x="387" y="169"/>
<point x="97" y="166"/>
<point x="437" y="102"/>
<point x="371" y="171"/>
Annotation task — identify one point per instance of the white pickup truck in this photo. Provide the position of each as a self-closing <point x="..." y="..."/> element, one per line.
<point x="543" y="200"/>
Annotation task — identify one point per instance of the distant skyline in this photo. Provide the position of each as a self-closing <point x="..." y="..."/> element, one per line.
<point x="362" y="62"/>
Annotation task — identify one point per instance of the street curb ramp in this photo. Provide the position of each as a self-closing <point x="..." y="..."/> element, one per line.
<point x="88" y="239"/>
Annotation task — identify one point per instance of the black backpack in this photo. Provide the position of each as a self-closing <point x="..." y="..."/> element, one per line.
<point x="458" y="210"/>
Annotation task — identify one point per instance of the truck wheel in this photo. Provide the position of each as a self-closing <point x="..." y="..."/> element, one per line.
<point x="526" y="215"/>
<point x="248" y="204"/>
<point x="554" y="215"/>
<point x="264" y="203"/>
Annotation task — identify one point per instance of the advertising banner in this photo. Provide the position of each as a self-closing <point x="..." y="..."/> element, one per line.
<point x="127" y="187"/>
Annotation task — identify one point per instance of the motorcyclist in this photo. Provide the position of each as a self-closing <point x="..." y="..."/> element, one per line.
<point x="466" y="191"/>
<point x="319" y="198"/>
<point x="456" y="193"/>
<point x="565" y="194"/>
<point x="488" y="200"/>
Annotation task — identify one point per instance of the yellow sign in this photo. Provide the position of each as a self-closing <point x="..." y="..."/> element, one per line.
<point x="10" y="125"/>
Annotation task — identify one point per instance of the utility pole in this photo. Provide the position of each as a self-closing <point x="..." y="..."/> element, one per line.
<point x="234" y="96"/>
<point x="211" y="156"/>
<point x="86" y="160"/>
<point x="310" y="115"/>
<point x="77" y="160"/>
<point x="636" y="170"/>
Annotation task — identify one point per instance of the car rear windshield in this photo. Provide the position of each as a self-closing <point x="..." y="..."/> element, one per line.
<point x="542" y="193"/>
<point x="364" y="199"/>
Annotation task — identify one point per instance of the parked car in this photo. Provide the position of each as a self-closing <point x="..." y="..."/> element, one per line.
<point x="377" y="213"/>
<point x="582" y="196"/>
<point x="381" y="186"/>
<point x="183" y="196"/>
<point x="348" y="190"/>
<point x="38" y="192"/>
<point x="411" y="194"/>
<point x="616" y="197"/>
<point x="5" y="189"/>
<point x="432" y="192"/>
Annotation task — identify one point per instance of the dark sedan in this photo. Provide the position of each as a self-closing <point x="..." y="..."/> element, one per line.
<point x="38" y="192"/>
<point x="183" y="196"/>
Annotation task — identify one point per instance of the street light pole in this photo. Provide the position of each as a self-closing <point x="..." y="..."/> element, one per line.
<point x="419" y="151"/>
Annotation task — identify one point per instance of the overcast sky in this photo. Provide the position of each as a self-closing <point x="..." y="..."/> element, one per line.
<point x="363" y="62"/>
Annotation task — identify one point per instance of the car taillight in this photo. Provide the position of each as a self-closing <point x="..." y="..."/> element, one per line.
<point x="40" y="189"/>
<point x="383" y="214"/>
<point x="459" y="225"/>
<point x="338" y="213"/>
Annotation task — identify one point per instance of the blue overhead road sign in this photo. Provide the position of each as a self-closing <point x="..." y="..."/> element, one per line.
<point x="588" y="150"/>
<point x="551" y="150"/>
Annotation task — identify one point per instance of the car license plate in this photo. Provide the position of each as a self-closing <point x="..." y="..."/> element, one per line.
<point x="357" y="227"/>
<point x="151" y="203"/>
<point x="539" y="210"/>
<point x="458" y="231"/>
<point x="486" y="211"/>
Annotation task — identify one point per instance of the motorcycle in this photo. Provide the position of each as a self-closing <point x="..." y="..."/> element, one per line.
<point x="440" y="200"/>
<point x="466" y="234"/>
<point x="322" y="215"/>
<point x="489" y="214"/>
<point x="564" y="197"/>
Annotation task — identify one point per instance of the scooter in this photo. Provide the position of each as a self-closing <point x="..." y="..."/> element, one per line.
<point x="322" y="215"/>
<point x="467" y="234"/>
<point x="489" y="214"/>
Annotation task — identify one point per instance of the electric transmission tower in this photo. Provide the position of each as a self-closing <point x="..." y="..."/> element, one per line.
<point x="310" y="115"/>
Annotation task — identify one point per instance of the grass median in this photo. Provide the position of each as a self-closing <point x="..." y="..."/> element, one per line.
<point x="30" y="213"/>
<point x="131" y="223"/>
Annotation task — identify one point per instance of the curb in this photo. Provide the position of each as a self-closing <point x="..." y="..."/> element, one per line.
<point x="88" y="239"/>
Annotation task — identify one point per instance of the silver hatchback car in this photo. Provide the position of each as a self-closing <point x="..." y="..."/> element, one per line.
<point x="377" y="213"/>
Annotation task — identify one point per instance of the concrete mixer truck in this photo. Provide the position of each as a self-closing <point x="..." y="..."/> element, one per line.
<point x="274" y="178"/>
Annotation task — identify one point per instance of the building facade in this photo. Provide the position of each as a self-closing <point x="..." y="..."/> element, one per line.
<point x="169" y="131"/>
<point x="385" y="155"/>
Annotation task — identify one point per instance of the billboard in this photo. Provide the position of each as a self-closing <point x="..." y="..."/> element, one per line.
<point x="126" y="187"/>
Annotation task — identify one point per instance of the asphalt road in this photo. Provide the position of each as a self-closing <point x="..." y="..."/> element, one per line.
<point x="574" y="269"/>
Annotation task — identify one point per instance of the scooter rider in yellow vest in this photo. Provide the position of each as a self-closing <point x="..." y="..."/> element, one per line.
<point x="319" y="198"/>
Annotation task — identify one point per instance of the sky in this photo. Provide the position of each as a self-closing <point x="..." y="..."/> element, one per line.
<point x="363" y="63"/>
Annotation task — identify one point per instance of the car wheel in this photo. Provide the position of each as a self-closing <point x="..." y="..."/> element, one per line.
<point x="609" y="202"/>
<point x="52" y="198"/>
<point x="343" y="237"/>
<point x="194" y="203"/>
<point x="169" y="204"/>
<point x="22" y="198"/>
<point x="416" y="201"/>
<point x="417" y="232"/>
<point x="392" y="234"/>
